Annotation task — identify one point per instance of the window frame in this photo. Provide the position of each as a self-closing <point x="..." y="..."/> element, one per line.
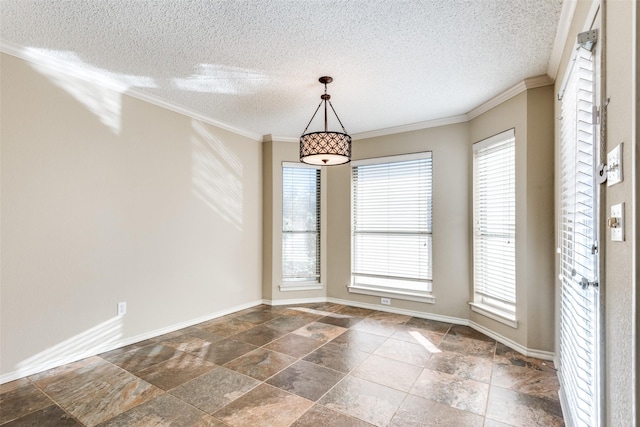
<point x="304" y="285"/>
<point x="382" y="290"/>
<point x="501" y="311"/>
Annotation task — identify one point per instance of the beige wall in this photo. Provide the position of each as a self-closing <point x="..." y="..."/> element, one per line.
<point x="531" y="115"/>
<point x="451" y="166"/>
<point x="275" y="153"/>
<point x="106" y="198"/>
<point x="616" y="281"/>
<point x="618" y="287"/>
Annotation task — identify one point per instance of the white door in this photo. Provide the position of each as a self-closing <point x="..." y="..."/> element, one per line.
<point x="579" y="361"/>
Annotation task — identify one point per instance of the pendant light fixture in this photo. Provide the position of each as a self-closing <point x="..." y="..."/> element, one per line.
<point x="325" y="148"/>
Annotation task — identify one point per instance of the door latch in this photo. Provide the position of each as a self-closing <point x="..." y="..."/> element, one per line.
<point x="584" y="283"/>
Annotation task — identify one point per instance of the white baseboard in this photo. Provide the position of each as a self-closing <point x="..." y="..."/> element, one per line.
<point x="529" y="352"/>
<point x="31" y="369"/>
<point x="294" y="301"/>
<point x="564" y="405"/>
<point x="539" y="354"/>
<point x="395" y="310"/>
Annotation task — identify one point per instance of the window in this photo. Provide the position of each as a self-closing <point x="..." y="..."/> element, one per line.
<point x="300" y="227"/>
<point x="494" y="217"/>
<point x="392" y="226"/>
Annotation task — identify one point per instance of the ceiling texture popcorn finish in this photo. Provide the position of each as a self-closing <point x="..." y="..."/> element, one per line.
<point x="253" y="65"/>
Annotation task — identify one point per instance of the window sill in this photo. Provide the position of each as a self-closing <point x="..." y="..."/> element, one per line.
<point x="393" y="293"/>
<point x="300" y="286"/>
<point x="492" y="313"/>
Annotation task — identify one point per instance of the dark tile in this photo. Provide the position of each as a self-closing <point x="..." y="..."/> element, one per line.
<point x="371" y="402"/>
<point x="223" y="351"/>
<point x="179" y="369"/>
<point x="51" y="416"/>
<point x="226" y="327"/>
<point x="467" y="332"/>
<point x="359" y="340"/>
<point x="126" y="348"/>
<point x="337" y="357"/>
<point x="428" y="325"/>
<point x="93" y="390"/>
<point x="143" y="357"/>
<point x="468" y="346"/>
<point x="392" y="318"/>
<point x="258" y="336"/>
<point x="404" y="351"/>
<point x="203" y="334"/>
<point x="186" y="343"/>
<point x="416" y="411"/>
<point x="522" y="410"/>
<point x="339" y="319"/>
<point x="264" y="406"/>
<point x="468" y="367"/>
<point x="294" y="345"/>
<point x="356" y="311"/>
<point x="508" y="356"/>
<point x="261" y="363"/>
<point x="529" y="381"/>
<point x="377" y="327"/>
<point x="322" y="306"/>
<point x="447" y="389"/>
<point x="319" y="331"/>
<point x="302" y="313"/>
<point x="164" y="410"/>
<point x="306" y="380"/>
<point x="319" y="415"/>
<point x="19" y="398"/>
<point x="257" y="317"/>
<point x="214" y="390"/>
<point x="392" y="373"/>
<point x="418" y="330"/>
<point x="13" y="385"/>
<point x="288" y="324"/>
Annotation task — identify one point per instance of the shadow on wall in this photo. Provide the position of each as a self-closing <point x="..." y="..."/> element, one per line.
<point x="98" y="339"/>
<point x="216" y="174"/>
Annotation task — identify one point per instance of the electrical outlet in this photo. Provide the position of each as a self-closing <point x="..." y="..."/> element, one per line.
<point x="385" y="301"/>
<point x="122" y="308"/>
<point x="614" y="164"/>
<point x="616" y="222"/>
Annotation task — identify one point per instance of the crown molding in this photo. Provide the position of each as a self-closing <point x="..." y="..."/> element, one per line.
<point x="112" y="84"/>
<point x="411" y="127"/>
<point x="160" y="102"/>
<point x="562" y="33"/>
<point x="76" y="72"/>
<point x="530" y="83"/>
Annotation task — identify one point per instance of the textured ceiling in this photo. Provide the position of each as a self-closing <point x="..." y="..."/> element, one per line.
<point x="254" y="64"/>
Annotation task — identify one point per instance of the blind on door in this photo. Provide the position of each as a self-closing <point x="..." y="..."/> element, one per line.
<point x="579" y="315"/>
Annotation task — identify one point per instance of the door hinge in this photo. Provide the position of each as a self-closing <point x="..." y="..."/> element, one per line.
<point x="595" y="115"/>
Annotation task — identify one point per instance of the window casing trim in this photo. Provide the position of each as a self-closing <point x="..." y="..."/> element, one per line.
<point x="366" y="284"/>
<point x="294" y="285"/>
<point x="483" y="303"/>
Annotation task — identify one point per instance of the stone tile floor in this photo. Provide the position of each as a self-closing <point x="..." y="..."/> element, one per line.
<point x="301" y="365"/>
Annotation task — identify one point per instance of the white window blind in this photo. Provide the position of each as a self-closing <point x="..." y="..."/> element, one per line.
<point x="300" y="224"/>
<point x="579" y="360"/>
<point x="494" y="214"/>
<point x="392" y="224"/>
